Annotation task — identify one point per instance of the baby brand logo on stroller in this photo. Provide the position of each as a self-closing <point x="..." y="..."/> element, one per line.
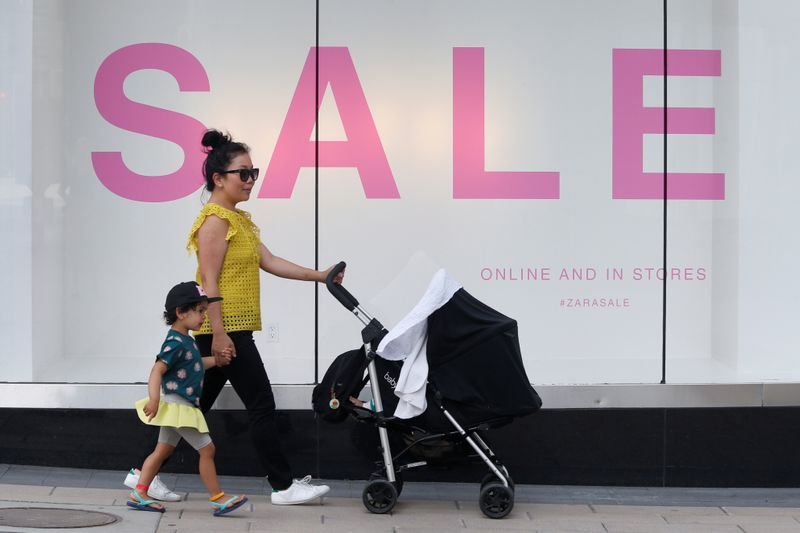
<point x="390" y="380"/>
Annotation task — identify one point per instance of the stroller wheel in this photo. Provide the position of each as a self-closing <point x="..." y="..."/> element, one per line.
<point x="398" y="481"/>
<point x="496" y="500"/>
<point x="379" y="496"/>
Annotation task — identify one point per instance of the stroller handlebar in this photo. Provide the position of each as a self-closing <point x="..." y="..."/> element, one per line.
<point x="337" y="289"/>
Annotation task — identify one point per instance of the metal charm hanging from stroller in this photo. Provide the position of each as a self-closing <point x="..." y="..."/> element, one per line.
<point x="452" y="352"/>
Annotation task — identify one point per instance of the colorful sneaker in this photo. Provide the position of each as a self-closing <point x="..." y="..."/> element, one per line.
<point x="301" y="491"/>
<point x="157" y="489"/>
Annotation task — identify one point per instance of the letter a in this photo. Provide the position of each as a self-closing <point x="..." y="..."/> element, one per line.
<point x="362" y="149"/>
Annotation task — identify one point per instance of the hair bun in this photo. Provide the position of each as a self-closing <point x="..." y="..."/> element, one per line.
<point x="214" y="139"/>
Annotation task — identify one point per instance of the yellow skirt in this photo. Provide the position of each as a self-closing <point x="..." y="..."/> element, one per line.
<point x="173" y="415"/>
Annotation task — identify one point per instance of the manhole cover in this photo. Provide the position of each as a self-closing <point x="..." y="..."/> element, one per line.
<point x="47" y="517"/>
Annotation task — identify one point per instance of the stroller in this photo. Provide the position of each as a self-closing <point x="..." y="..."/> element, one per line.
<point x="475" y="380"/>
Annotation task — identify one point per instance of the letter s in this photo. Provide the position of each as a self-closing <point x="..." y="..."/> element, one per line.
<point x="132" y="116"/>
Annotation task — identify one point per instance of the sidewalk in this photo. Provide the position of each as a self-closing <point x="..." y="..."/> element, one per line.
<point x="422" y="508"/>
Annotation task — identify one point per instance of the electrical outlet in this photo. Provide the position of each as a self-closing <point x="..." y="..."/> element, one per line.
<point x="273" y="333"/>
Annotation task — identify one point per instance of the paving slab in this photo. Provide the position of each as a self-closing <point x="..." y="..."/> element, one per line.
<point x="568" y="524"/>
<point x="105" y="479"/>
<point x="238" y="522"/>
<point x="742" y="520"/>
<point x="658" y="510"/>
<point x="760" y="511"/>
<point x="24" y="493"/>
<point x="769" y="528"/>
<point x="553" y="510"/>
<point x="66" y="480"/>
<point x="82" y="495"/>
<point x="622" y="527"/>
<point x="27" y="475"/>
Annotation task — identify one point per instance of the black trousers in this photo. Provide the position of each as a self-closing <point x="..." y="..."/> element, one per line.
<point x="249" y="379"/>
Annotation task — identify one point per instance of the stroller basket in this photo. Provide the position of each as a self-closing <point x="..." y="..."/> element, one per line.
<point x="475" y="382"/>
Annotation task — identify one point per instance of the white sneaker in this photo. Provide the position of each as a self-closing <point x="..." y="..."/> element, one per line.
<point x="301" y="491"/>
<point x="157" y="490"/>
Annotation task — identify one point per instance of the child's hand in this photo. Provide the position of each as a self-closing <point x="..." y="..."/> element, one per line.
<point x="151" y="408"/>
<point x="225" y="356"/>
<point x="357" y="402"/>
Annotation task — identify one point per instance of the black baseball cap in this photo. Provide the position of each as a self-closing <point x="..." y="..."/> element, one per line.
<point x="187" y="293"/>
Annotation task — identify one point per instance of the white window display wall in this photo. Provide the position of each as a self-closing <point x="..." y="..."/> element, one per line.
<point x="403" y="189"/>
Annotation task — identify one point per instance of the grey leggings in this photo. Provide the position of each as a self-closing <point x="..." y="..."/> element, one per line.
<point x="171" y="436"/>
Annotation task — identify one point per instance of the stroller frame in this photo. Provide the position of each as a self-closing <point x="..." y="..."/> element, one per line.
<point x="382" y="491"/>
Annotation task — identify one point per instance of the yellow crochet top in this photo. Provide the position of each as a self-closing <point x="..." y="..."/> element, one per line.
<point x="239" y="278"/>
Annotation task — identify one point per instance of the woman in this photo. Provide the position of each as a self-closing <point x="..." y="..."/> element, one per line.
<point x="230" y="254"/>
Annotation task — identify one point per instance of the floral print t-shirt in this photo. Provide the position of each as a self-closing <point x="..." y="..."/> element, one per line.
<point x="184" y="375"/>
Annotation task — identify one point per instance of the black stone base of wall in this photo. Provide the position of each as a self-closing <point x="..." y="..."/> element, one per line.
<point x="708" y="447"/>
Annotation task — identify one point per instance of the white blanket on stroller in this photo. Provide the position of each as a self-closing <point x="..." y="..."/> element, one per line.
<point x="407" y="341"/>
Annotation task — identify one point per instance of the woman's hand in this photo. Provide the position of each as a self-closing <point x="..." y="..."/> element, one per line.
<point x="338" y="279"/>
<point x="151" y="408"/>
<point x="222" y="349"/>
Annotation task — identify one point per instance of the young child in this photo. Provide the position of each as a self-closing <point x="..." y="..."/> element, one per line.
<point x="173" y="389"/>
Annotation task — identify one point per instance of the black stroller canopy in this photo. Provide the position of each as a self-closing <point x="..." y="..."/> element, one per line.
<point x="474" y="359"/>
<point x="461" y="324"/>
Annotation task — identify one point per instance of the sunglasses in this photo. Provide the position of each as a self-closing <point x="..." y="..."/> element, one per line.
<point x="244" y="173"/>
